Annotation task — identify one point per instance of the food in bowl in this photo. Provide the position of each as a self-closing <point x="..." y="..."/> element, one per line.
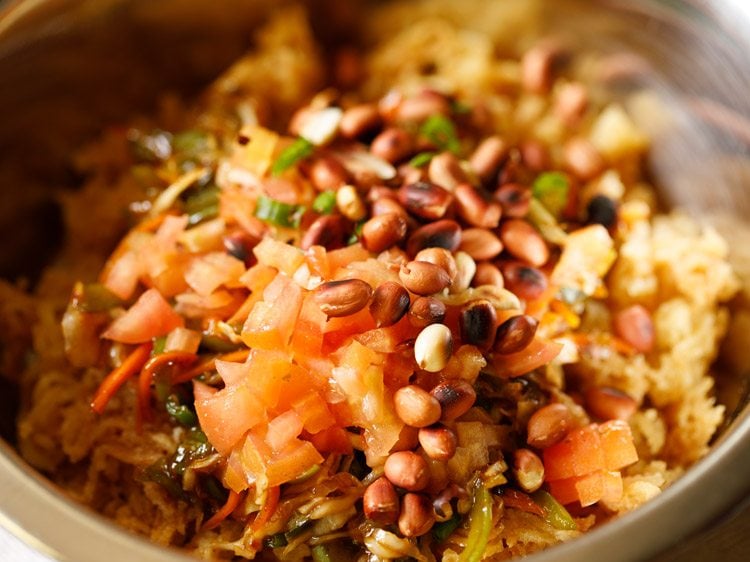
<point x="428" y="313"/>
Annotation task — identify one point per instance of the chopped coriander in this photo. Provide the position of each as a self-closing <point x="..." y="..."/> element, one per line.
<point x="275" y="212"/>
<point x="441" y="132"/>
<point x="421" y="159"/>
<point x="298" y="150"/>
<point x="325" y="203"/>
<point x="551" y="189"/>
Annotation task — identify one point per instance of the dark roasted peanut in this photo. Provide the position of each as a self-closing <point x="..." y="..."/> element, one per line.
<point x="424" y="278"/>
<point x="478" y="323"/>
<point x="487" y="158"/>
<point x="425" y="199"/>
<point x="602" y="210"/>
<point x="487" y="274"/>
<point x="445" y="170"/>
<point x="515" y="334"/>
<point x="524" y="241"/>
<point x="635" y="326"/>
<point x="417" y="516"/>
<point x="548" y="425"/>
<point x="528" y="470"/>
<point x="407" y="470"/>
<point x="433" y="348"/>
<point x="389" y="303"/>
<point x="386" y="205"/>
<point x="359" y="120"/>
<point x="571" y="102"/>
<point x="415" y="406"/>
<point x="514" y="199"/>
<point x="582" y="159"/>
<point x="440" y="257"/>
<point x="327" y="174"/>
<point x="343" y="297"/>
<point x="383" y="231"/>
<point x="240" y="244"/>
<point x="537" y="67"/>
<point x="438" y="442"/>
<point x="535" y="155"/>
<point x="422" y="106"/>
<point x="380" y="502"/>
<point x="607" y="403"/>
<point x="474" y="208"/>
<point x="392" y="145"/>
<point x="480" y="243"/>
<point x="328" y="231"/>
<point x="445" y="233"/>
<point x="456" y="397"/>
<point x="526" y="282"/>
<point x="411" y="174"/>
<point x="425" y="311"/>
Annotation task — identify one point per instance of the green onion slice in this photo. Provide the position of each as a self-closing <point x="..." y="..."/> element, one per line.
<point x="325" y="203"/>
<point x="421" y="159"/>
<point x="298" y="150"/>
<point x="275" y="212"/>
<point x="441" y="132"/>
<point x="552" y="189"/>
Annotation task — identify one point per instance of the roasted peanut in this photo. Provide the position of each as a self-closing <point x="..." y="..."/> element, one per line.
<point x="359" y="120"/>
<point x="480" y="243"/>
<point x="386" y="205"/>
<point x="383" y="231"/>
<point x="343" y="297"/>
<point x="440" y="257"/>
<point x="438" y="442"/>
<point x="445" y="170"/>
<point x="425" y="199"/>
<point x="514" y="199"/>
<point x="571" y="102"/>
<point x="487" y="274"/>
<point x="527" y="282"/>
<point x="327" y="231"/>
<point x="537" y="66"/>
<point x="456" y="397"/>
<point x="422" y="106"/>
<point x="528" y="470"/>
<point x="607" y="403"/>
<point x="466" y="268"/>
<point x="535" y="155"/>
<point x="408" y="439"/>
<point x="433" y="347"/>
<point x="350" y="204"/>
<point x="407" y="470"/>
<point x="478" y="323"/>
<point x="524" y="242"/>
<point x="425" y="311"/>
<point x="380" y="502"/>
<point x="415" y="406"/>
<point x="392" y="145"/>
<point x="389" y="303"/>
<point x="424" y="278"/>
<point x="487" y="158"/>
<point x="582" y="158"/>
<point x="327" y="174"/>
<point x="515" y="334"/>
<point x="474" y="208"/>
<point x="635" y="326"/>
<point x="240" y="244"/>
<point x="417" y="516"/>
<point x="445" y="233"/>
<point x="548" y="425"/>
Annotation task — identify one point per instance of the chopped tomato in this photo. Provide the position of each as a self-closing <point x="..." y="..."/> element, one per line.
<point x="226" y="415"/>
<point x="334" y="439"/>
<point x="208" y="272"/>
<point x="182" y="339"/>
<point x="344" y="256"/>
<point x="121" y="275"/>
<point x="578" y="454"/>
<point x="232" y="373"/>
<point x="307" y="339"/>
<point x="272" y="321"/>
<point x="316" y="258"/>
<point x="537" y="354"/>
<point x="387" y="340"/>
<point x="283" y="429"/>
<point x="314" y="413"/>
<point x="617" y="444"/>
<point x="586" y="489"/>
<point x="299" y="457"/>
<point x="150" y="317"/>
<point x="277" y="254"/>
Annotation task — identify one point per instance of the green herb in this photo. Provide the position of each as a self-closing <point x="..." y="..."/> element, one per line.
<point x="555" y="514"/>
<point x="325" y="203"/>
<point x="182" y="413"/>
<point x="275" y="541"/>
<point x="194" y="447"/>
<point x="552" y="189"/>
<point x="94" y="297"/>
<point x="441" y="132"/>
<point x="320" y="554"/>
<point x="480" y="525"/>
<point x="421" y="159"/>
<point x="298" y="150"/>
<point x="158" y="347"/>
<point x="275" y="212"/>
<point x="441" y="531"/>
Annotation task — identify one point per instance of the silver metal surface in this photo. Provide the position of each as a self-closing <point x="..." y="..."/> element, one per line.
<point x="67" y="67"/>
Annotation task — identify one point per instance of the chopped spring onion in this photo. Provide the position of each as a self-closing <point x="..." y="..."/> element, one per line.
<point x="552" y="189"/>
<point x="275" y="541"/>
<point x="441" y="132"/>
<point x="325" y="203"/>
<point x="480" y="525"/>
<point x="180" y="412"/>
<point x="441" y="531"/>
<point x="421" y="159"/>
<point x="275" y="212"/>
<point x="298" y="150"/>
<point x="159" y="344"/>
<point x="94" y="297"/>
<point x="320" y="554"/>
<point x="555" y="514"/>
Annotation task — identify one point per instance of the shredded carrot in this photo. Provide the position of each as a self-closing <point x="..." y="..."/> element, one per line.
<point x="518" y="500"/>
<point x="226" y="510"/>
<point x="147" y="375"/>
<point x="114" y="380"/>
<point x="209" y="364"/>
<point x="266" y="512"/>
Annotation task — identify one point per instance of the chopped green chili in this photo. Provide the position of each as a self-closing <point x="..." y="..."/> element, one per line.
<point x="441" y="132"/>
<point x="555" y="514"/>
<point x="94" y="297"/>
<point x="275" y="212"/>
<point x="298" y="150"/>
<point x="275" y="541"/>
<point x="182" y="413"/>
<point x="552" y="189"/>
<point x="320" y="554"/>
<point x="421" y="159"/>
<point x="480" y="525"/>
<point x="325" y="203"/>
<point x="441" y="531"/>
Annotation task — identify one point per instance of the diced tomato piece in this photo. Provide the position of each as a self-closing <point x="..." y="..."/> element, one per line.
<point x="292" y="462"/>
<point x="617" y="444"/>
<point x="272" y="321"/>
<point x="387" y="340"/>
<point x="317" y="261"/>
<point x="226" y="415"/>
<point x="586" y="489"/>
<point x="613" y="488"/>
<point x="269" y="372"/>
<point x="284" y="257"/>
<point x="170" y="278"/>
<point x="314" y="412"/>
<point x="121" y="276"/>
<point x="338" y="331"/>
<point x="182" y="339"/>
<point x="537" y="354"/>
<point x="334" y="439"/>
<point x="234" y="476"/>
<point x="283" y="429"/>
<point x="344" y="256"/>
<point x="232" y="373"/>
<point x="307" y="339"/>
<point x="578" y="454"/>
<point x="150" y="317"/>
<point x="208" y="272"/>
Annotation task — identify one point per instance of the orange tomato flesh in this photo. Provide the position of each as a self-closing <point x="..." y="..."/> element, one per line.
<point x="150" y="317"/>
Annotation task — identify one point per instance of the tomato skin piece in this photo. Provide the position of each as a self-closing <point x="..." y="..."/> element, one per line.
<point x="307" y="338"/>
<point x="334" y="439"/>
<point x="537" y="354"/>
<point x="150" y="317"/>
<point x="586" y="489"/>
<point x="578" y="454"/>
<point x="283" y="429"/>
<point x="292" y="462"/>
<point x="617" y="444"/>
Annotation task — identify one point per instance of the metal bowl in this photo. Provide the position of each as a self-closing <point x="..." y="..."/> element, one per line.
<point x="68" y="67"/>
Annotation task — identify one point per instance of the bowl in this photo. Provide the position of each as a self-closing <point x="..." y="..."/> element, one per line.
<point x="69" y="67"/>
